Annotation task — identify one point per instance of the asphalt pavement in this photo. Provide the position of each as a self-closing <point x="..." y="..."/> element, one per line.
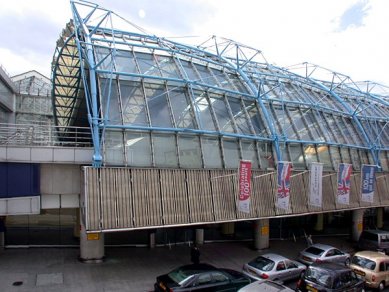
<point x="128" y="268"/>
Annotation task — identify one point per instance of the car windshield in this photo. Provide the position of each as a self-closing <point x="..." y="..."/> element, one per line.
<point x="262" y="263"/>
<point x="314" y="250"/>
<point x="179" y="275"/>
<point x="319" y="276"/>
<point x="363" y="262"/>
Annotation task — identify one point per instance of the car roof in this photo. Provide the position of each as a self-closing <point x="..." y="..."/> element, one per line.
<point x="198" y="267"/>
<point x="264" y="285"/>
<point x="376" y="231"/>
<point x="372" y="254"/>
<point x="330" y="267"/>
<point x="273" y="256"/>
<point x="321" y="246"/>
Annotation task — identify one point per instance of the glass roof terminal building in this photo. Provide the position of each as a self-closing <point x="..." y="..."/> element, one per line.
<point x="152" y="102"/>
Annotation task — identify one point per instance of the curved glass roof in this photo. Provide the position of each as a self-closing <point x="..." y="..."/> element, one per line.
<point x="140" y="82"/>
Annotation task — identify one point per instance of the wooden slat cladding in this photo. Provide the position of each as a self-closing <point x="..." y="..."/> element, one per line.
<point x="126" y="198"/>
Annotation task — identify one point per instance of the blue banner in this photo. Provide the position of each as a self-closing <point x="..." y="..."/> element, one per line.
<point x="367" y="182"/>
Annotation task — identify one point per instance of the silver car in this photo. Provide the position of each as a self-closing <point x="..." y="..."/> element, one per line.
<point x="323" y="253"/>
<point x="272" y="266"/>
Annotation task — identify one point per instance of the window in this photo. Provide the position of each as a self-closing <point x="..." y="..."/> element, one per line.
<point x="219" y="277"/>
<point x="204" y="279"/>
<point x="280" y="266"/>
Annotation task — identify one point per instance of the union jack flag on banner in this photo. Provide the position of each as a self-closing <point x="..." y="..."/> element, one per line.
<point x="283" y="184"/>
<point x="344" y="184"/>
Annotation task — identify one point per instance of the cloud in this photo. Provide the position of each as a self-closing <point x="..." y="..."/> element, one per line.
<point x="354" y="15"/>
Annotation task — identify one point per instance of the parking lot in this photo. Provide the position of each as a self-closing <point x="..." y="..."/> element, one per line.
<point x="128" y="268"/>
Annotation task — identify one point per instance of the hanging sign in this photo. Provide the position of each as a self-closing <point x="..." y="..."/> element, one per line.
<point x="367" y="182"/>
<point x="283" y="184"/>
<point x="315" y="184"/>
<point x="344" y="183"/>
<point x="244" y="186"/>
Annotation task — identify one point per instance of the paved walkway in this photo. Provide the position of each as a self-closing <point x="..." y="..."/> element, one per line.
<point x="131" y="269"/>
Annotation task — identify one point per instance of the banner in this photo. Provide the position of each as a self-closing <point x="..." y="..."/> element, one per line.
<point x="344" y="184"/>
<point x="315" y="184"/>
<point x="244" y="186"/>
<point x="283" y="184"/>
<point x="367" y="182"/>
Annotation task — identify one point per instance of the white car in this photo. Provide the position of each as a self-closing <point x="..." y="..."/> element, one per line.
<point x="272" y="266"/>
<point x="323" y="253"/>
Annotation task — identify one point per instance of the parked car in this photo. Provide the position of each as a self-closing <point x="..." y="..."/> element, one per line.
<point x="273" y="267"/>
<point x="265" y="285"/>
<point x="328" y="277"/>
<point x="323" y="253"/>
<point x="372" y="267"/>
<point x="375" y="240"/>
<point x="201" y="277"/>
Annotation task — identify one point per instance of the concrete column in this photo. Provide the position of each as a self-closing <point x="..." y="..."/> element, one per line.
<point x="228" y="228"/>
<point x="261" y="234"/>
<point x="319" y="222"/>
<point x="91" y="246"/>
<point x="357" y="224"/>
<point x="199" y="236"/>
<point x="380" y="217"/>
<point x="152" y="239"/>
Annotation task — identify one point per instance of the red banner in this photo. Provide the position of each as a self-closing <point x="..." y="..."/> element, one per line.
<point x="244" y="186"/>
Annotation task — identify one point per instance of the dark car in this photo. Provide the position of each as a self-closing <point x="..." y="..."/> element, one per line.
<point x="329" y="277"/>
<point x="201" y="277"/>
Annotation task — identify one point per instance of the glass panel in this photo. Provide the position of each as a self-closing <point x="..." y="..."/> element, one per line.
<point x="299" y="123"/>
<point x="255" y="118"/>
<point x="326" y="128"/>
<point x="280" y="118"/>
<point x="237" y="82"/>
<point x="223" y="80"/>
<point x="138" y="149"/>
<point x="345" y="155"/>
<point x="231" y="153"/>
<point x="189" y="151"/>
<point x="158" y="107"/>
<point x="266" y="154"/>
<point x="356" y="161"/>
<point x="335" y="129"/>
<point x="168" y="67"/>
<point x="165" y="150"/>
<point x="147" y="64"/>
<point x="371" y="160"/>
<point x="384" y="160"/>
<point x="190" y="71"/>
<point x="206" y="75"/>
<point x="313" y="126"/>
<point x="284" y="152"/>
<point x="289" y="130"/>
<point x="222" y="114"/>
<point x="100" y="54"/>
<point x="335" y="154"/>
<point x="113" y="147"/>
<point x="111" y="111"/>
<point x="202" y="109"/>
<point x="296" y="156"/>
<point x="363" y="155"/>
<point x="353" y="133"/>
<point x="211" y="153"/>
<point x="125" y="63"/>
<point x="324" y="157"/>
<point x="239" y="115"/>
<point x="249" y="152"/>
<point x="310" y="154"/>
<point x="134" y="108"/>
<point x="182" y="110"/>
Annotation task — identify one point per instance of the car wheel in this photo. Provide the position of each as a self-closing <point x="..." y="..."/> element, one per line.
<point x="381" y="286"/>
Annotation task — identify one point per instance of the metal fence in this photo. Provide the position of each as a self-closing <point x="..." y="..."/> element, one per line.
<point x="44" y="135"/>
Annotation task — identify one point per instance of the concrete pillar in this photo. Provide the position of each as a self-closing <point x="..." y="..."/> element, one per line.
<point x="152" y="239"/>
<point x="199" y="236"/>
<point x="261" y="234"/>
<point x="357" y="224"/>
<point x="91" y="246"/>
<point x="380" y="217"/>
<point x="228" y="228"/>
<point x="319" y="222"/>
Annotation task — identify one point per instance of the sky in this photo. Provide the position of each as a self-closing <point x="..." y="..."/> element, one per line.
<point x="347" y="36"/>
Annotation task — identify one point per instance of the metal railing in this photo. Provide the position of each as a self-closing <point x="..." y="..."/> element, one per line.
<point x="44" y="135"/>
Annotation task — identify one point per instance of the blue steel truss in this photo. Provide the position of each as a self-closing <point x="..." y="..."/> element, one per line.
<point x="287" y="98"/>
